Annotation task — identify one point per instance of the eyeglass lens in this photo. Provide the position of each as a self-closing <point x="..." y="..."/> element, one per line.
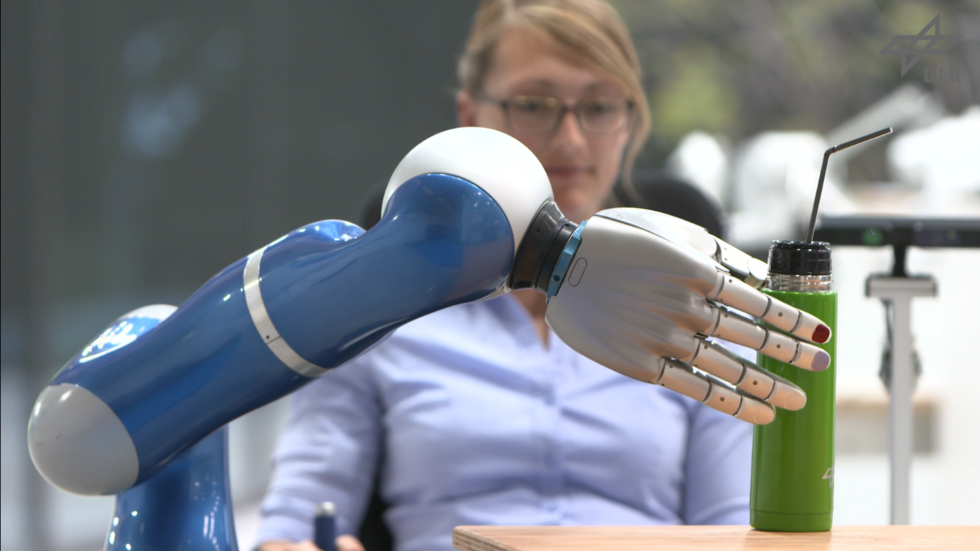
<point x="542" y="114"/>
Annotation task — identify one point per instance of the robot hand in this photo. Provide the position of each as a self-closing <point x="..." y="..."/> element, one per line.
<point x="641" y="292"/>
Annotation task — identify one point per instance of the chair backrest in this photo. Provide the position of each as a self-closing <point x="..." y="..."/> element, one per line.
<point x="663" y="192"/>
<point x="371" y="211"/>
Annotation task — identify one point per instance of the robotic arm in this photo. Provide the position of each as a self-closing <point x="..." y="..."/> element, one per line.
<point x="468" y="215"/>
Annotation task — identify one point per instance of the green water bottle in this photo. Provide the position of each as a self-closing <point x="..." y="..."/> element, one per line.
<point x="793" y="457"/>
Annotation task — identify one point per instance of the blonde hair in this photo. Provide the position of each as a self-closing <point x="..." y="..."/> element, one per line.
<point x="589" y="30"/>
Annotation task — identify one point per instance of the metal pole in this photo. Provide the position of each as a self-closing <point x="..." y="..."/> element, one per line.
<point x="897" y="292"/>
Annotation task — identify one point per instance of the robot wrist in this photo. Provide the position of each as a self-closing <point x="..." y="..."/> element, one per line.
<point x="541" y="248"/>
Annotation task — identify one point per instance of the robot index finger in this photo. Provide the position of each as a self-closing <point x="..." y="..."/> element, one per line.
<point x="737" y="294"/>
<point x="733" y="327"/>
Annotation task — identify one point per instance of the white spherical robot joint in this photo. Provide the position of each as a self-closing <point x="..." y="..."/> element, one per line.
<point x="493" y="161"/>
<point x="78" y="444"/>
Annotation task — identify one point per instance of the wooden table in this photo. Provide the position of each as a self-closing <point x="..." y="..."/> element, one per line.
<point x="711" y="538"/>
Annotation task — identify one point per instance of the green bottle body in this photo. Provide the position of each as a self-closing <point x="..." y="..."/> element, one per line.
<point x="792" y="487"/>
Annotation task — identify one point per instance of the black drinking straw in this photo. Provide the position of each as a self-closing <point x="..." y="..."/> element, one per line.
<point x="823" y="173"/>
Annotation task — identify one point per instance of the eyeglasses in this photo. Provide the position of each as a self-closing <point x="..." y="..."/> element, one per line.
<point x="543" y="114"/>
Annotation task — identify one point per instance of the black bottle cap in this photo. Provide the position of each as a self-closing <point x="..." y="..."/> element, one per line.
<point x="799" y="258"/>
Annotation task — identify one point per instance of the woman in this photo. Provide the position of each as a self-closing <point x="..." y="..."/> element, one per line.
<point x="480" y="413"/>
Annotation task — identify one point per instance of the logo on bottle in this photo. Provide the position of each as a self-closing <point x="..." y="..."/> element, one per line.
<point x="829" y="477"/>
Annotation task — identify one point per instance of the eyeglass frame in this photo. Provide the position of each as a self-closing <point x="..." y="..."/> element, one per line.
<point x="574" y="108"/>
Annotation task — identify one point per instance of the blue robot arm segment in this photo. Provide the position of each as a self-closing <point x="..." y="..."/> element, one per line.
<point x="442" y="241"/>
<point x="186" y="506"/>
<point x="330" y="290"/>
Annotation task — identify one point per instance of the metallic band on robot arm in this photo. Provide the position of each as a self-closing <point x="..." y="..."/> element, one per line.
<point x="263" y="324"/>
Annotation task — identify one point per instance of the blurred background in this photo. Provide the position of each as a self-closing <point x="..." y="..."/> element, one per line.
<point x="146" y="145"/>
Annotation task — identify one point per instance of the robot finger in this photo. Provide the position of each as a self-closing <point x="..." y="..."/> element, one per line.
<point x="749" y="378"/>
<point x="714" y="393"/>
<point x="732" y="292"/>
<point x="732" y="327"/>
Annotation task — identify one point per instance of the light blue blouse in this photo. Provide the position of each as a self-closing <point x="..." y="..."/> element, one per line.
<point x="478" y="423"/>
